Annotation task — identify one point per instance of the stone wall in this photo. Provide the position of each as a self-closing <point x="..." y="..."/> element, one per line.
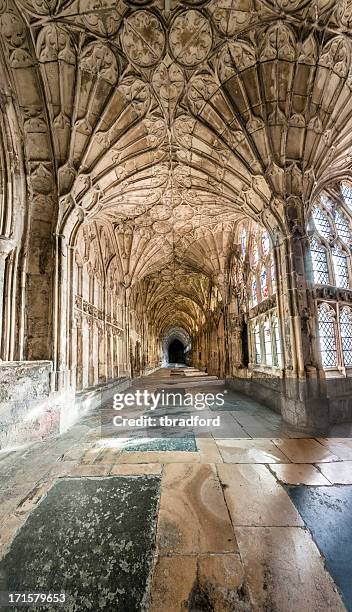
<point x="29" y="411"/>
<point x="26" y="413"/>
<point x="303" y="404"/>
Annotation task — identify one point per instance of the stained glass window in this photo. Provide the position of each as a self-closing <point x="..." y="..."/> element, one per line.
<point x="342" y="227"/>
<point x="263" y="284"/>
<point x="346" y="191"/>
<point x="267" y="343"/>
<point x="346" y="335"/>
<point x="258" y="352"/>
<point x="265" y="243"/>
<point x="327" y="336"/>
<point x="320" y="263"/>
<point x="321" y="222"/>
<point x="340" y="268"/>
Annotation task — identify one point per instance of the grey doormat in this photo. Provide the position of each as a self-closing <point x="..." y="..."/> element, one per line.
<point x="92" y="538"/>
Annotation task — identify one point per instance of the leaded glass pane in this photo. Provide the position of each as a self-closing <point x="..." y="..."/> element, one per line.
<point x="346" y="335"/>
<point x="277" y="343"/>
<point x="327" y="337"/>
<point x="321" y="222"/>
<point x="340" y="268"/>
<point x="267" y="344"/>
<point x="258" y="352"/>
<point x="346" y="191"/>
<point x="320" y="263"/>
<point x="342" y="227"/>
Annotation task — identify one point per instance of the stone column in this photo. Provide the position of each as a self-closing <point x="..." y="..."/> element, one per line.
<point x="304" y="402"/>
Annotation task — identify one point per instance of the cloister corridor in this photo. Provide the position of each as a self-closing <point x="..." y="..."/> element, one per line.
<point x="176" y="305"/>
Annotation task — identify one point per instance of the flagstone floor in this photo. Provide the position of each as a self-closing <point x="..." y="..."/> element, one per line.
<point x="254" y="517"/>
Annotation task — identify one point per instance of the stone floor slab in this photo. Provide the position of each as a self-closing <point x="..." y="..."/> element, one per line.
<point x="342" y="447"/>
<point x="208" y="451"/>
<point x="193" y="517"/>
<point x="90" y="538"/>
<point x="199" y="583"/>
<point x="327" y="513"/>
<point x="162" y="457"/>
<point x="305" y="450"/>
<point x="300" y="473"/>
<point x="337" y="473"/>
<point x="135" y="469"/>
<point x="254" y="497"/>
<point x="250" y="451"/>
<point x="285" y="572"/>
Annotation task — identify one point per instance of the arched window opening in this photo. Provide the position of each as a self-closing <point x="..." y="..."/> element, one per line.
<point x="262" y="280"/>
<point x="332" y="236"/>
<point x="263" y="339"/>
<point x="327" y="336"/>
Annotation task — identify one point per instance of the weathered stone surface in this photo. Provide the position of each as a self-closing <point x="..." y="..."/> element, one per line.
<point x="250" y="451"/>
<point x="26" y="412"/>
<point x="204" y="582"/>
<point x="276" y="560"/>
<point x="193" y="517"/>
<point x="337" y="473"/>
<point x="326" y="512"/>
<point x="254" y="498"/>
<point x="97" y="546"/>
<point x="305" y="450"/>
<point x="293" y="473"/>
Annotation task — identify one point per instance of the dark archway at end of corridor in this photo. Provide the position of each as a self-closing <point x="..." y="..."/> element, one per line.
<point x="176" y="352"/>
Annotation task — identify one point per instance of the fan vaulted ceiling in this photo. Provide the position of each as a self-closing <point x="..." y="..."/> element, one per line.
<point x="161" y="124"/>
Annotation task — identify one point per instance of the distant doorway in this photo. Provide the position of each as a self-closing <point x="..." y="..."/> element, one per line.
<point x="176" y="352"/>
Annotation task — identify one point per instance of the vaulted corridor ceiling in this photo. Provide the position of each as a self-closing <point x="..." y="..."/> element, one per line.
<point x="163" y="124"/>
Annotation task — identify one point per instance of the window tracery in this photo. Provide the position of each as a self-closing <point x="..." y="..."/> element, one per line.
<point x="262" y="278"/>
<point x="266" y="341"/>
<point x="264" y="330"/>
<point x="331" y="238"/>
<point x="330" y="247"/>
